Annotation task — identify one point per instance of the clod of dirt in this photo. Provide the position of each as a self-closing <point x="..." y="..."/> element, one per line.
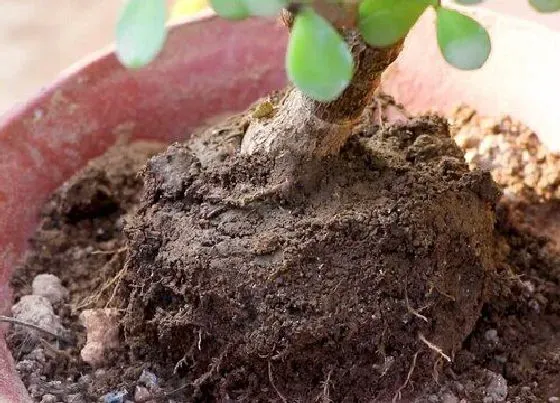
<point x="35" y="310"/>
<point x="102" y="327"/>
<point x="50" y="287"/>
<point x="346" y="287"/>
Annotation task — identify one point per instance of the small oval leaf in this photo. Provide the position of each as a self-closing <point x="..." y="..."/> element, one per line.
<point x="545" y="6"/>
<point x="318" y="60"/>
<point x="384" y="22"/>
<point x="265" y="8"/>
<point x="230" y="9"/>
<point x="464" y="43"/>
<point x="141" y="32"/>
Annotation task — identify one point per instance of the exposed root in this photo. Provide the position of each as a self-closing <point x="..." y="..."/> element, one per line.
<point x="110" y="252"/>
<point x="411" y="310"/>
<point x="398" y="394"/>
<point x="117" y="280"/>
<point x="324" y="396"/>
<point x="435" y="372"/>
<point x="433" y="347"/>
<point x="271" y="380"/>
<point x="14" y="321"/>
<point x="214" y="367"/>
<point x="114" y="282"/>
<point x="180" y="364"/>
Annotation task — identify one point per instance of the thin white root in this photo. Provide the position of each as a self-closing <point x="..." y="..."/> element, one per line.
<point x="433" y="347"/>
<point x="324" y="396"/>
<point x="398" y="394"/>
<point x="271" y="380"/>
<point x="411" y="310"/>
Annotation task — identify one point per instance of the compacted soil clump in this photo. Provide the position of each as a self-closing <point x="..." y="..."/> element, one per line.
<point x="391" y="272"/>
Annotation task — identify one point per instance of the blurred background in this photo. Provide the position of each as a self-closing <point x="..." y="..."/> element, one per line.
<point x="40" y="38"/>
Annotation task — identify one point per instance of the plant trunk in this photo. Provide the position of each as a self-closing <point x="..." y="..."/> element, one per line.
<point x="302" y="129"/>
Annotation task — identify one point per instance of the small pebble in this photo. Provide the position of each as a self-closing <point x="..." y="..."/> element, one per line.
<point x="48" y="399"/>
<point x="492" y="336"/>
<point x="85" y="380"/>
<point x="27" y="366"/>
<point x="36" y="355"/>
<point x="497" y="389"/>
<point x="36" y="310"/>
<point x="149" y="379"/>
<point x="142" y="394"/>
<point x="534" y="305"/>
<point x="115" y="397"/>
<point x="50" y="287"/>
<point x="102" y="334"/>
<point x="553" y="399"/>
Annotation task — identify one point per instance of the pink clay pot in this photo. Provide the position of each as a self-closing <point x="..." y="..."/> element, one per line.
<point x="210" y="67"/>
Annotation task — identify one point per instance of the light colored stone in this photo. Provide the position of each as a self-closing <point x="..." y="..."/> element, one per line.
<point x="38" y="311"/>
<point x="48" y="399"/>
<point x="149" y="379"/>
<point x="102" y="327"/>
<point x="497" y="388"/>
<point x="142" y="394"/>
<point x="50" y="287"/>
<point x="492" y="336"/>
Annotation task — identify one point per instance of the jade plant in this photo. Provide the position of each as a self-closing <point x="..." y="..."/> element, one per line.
<point x="336" y="54"/>
<point x="315" y="42"/>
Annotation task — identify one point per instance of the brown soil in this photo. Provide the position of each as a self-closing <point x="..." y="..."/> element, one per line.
<point x="80" y="239"/>
<point x="354" y="284"/>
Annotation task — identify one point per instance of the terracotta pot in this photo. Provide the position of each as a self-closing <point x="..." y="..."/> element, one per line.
<point x="211" y="67"/>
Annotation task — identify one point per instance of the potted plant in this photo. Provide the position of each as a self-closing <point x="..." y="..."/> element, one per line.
<point x="283" y="253"/>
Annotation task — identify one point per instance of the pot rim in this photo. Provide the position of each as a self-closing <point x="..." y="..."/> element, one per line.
<point x="20" y="109"/>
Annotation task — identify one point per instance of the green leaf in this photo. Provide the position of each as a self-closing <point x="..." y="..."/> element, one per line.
<point x="463" y="42"/>
<point x="385" y="22"/>
<point x="545" y="6"/>
<point x="265" y="8"/>
<point x="230" y="9"/>
<point x="141" y="32"/>
<point x="318" y="60"/>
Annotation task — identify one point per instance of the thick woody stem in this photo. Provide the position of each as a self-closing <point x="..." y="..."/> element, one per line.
<point x="311" y="129"/>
